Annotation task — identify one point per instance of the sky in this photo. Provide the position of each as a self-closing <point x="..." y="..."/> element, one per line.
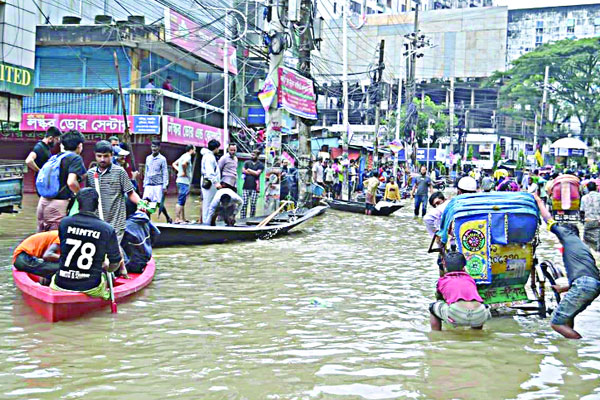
<point x="517" y="4"/>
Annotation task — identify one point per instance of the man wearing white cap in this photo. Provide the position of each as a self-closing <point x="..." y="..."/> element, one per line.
<point x="467" y="185"/>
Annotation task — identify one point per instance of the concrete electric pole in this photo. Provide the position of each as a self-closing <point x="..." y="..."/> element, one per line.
<point x="377" y="83"/>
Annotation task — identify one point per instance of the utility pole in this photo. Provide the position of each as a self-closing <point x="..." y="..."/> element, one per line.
<point x="451" y="112"/>
<point x="398" y="112"/>
<point x="226" y="85"/>
<point x="345" y="123"/>
<point x="377" y="81"/>
<point x="543" y="108"/>
<point x="414" y="36"/>
<point x="304" y="147"/>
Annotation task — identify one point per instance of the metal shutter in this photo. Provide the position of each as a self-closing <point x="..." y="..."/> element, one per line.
<point x="61" y="72"/>
<point x="102" y="74"/>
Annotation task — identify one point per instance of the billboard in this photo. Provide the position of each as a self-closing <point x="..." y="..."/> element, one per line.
<point x="296" y="94"/>
<point x="201" y="42"/>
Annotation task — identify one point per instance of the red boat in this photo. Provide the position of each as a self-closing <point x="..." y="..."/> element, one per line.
<point x="57" y="306"/>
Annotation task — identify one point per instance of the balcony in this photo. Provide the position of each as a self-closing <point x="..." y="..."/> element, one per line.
<point x="107" y="102"/>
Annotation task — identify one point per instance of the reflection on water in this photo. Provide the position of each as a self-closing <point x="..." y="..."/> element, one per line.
<point x="338" y="310"/>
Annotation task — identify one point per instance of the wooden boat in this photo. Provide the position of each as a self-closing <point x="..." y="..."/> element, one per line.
<point x="385" y="208"/>
<point x="197" y="234"/>
<point x="57" y="306"/>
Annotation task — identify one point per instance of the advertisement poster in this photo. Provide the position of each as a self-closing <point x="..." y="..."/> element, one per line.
<point x="190" y="36"/>
<point x="297" y="94"/>
<point x="181" y="131"/>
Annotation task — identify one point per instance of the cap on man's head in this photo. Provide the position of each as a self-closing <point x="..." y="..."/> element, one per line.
<point x="119" y="152"/>
<point x="454" y="261"/>
<point x="110" y="139"/>
<point x="156" y="143"/>
<point x="467" y="184"/>
<point x="103" y="146"/>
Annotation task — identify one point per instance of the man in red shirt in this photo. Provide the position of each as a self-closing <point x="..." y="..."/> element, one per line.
<point x="167" y="85"/>
<point x="461" y="304"/>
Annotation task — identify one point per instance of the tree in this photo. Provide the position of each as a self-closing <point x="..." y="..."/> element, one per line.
<point x="520" y="161"/>
<point x="469" y="153"/>
<point x="573" y="89"/>
<point x="426" y="111"/>
<point x="497" y="156"/>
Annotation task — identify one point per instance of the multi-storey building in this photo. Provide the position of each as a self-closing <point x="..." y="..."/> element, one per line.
<point x="17" y="48"/>
<point x="531" y="27"/>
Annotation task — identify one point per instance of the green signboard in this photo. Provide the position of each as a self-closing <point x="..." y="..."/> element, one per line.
<point x="16" y="80"/>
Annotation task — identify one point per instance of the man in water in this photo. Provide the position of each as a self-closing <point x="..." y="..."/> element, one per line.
<point x="224" y="205"/>
<point x="156" y="178"/>
<point x="422" y="187"/>
<point x="85" y="241"/>
<point x="460" y="303"/>
<point x="582" y="273"/>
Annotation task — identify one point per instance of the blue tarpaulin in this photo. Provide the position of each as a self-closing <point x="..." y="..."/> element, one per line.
<point x="517" y="211"/>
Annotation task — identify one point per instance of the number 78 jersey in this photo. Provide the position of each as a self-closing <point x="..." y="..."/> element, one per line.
<point x="85" y="241"/>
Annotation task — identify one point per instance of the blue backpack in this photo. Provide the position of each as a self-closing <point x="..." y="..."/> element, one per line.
<point x="47" y="182"/>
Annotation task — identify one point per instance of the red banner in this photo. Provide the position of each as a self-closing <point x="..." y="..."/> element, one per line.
<point x="188" y="35"/>
<point x="297" y="94"/>
<point x="181" y="131"/>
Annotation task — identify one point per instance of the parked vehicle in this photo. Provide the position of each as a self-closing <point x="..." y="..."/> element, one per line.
<point x="11" y="185"/>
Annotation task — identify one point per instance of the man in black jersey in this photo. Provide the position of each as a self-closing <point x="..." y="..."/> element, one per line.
<point x="85" y="241"/>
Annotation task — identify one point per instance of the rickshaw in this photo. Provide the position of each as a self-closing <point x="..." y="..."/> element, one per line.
<point x="498" y="234"/>
<point x="564" y="197"/>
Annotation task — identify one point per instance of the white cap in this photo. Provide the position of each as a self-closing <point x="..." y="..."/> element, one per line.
<point x="467" y="184"/>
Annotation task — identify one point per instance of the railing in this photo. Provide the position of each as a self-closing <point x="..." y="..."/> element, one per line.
<point x="107" y="102"/>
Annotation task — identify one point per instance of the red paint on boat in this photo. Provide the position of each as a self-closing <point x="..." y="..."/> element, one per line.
<point x="57" y="306"/>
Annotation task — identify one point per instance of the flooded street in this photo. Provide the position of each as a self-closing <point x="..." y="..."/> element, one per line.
<point x="337" y="309"/>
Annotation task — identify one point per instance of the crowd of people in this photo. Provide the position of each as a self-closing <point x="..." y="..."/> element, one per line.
<point x="459" y="304"/>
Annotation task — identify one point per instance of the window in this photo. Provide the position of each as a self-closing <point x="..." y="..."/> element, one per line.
<point x="570" y="29"/>
<point x="538" y="40"/>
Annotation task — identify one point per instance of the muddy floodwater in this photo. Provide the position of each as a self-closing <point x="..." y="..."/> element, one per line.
<point x="337" y="310"/>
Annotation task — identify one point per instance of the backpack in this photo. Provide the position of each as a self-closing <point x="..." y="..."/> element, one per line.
<point x="47" y="182"/>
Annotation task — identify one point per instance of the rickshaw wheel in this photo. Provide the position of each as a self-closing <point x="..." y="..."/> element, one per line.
<point x="551" y="273"/>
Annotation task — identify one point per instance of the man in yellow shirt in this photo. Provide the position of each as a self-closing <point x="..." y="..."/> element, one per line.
<point x="371" y="186"/>
<point x="392" y="191"/>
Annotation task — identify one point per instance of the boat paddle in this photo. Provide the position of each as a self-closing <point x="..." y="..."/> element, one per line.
<point x="109" y="275"/>
<point x="270" y="217"/>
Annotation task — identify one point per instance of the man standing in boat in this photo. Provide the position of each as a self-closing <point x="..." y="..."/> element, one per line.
<point x="211" y="177"/>
<point x="228" y="166"/>
<point x="252" y="170"/>
<point x="85" y="241"/>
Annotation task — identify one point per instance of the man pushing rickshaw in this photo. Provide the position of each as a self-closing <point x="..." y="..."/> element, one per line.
<point x="497" y="234"/>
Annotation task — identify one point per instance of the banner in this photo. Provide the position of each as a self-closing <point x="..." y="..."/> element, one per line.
<point x="181" y="131"/>
<point x="190" y="36"/>
<point x="267" y="94"/>
<point x="297" y="94"/>
<point x="40" y="122"/>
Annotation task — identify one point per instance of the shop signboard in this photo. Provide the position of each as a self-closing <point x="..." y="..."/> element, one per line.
<point x="181" y="131"/>
<point x="296" y="94"/>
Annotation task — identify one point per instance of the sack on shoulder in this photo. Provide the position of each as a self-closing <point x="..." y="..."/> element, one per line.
<point x="206" y="184"/>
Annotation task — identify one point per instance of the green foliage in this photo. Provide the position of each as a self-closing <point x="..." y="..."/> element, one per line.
<point x="470" y="153"/>
<point x="497" y="156"/>
<point x="459" y="165"/>
<point x="442" y="168"/>
<point x="428" y="110"/>
<point x="520" y="160"/>
<point x="573" y="87"/>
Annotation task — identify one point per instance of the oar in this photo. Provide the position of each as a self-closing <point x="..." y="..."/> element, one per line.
<point x="109" y="276"/>
<point x="270" y="217"/>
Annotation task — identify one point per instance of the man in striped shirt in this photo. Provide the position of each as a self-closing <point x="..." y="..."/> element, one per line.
<point x="156" y="178"/>
<point x="114" y="184"/>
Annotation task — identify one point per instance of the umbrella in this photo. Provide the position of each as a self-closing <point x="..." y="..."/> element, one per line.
<point x="569" y="143"/>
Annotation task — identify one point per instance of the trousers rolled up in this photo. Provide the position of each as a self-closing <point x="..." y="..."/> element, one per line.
<point x="49" y="213"/>
<point x="36" y="266"/>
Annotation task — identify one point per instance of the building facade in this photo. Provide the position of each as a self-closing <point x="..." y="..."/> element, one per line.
<point x="530" y="28"/>
<point x="17" y="57"/>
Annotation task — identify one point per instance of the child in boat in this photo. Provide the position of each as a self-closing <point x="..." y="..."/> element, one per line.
<point x="461" y="304"/>
<point x="140" y="235"/>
